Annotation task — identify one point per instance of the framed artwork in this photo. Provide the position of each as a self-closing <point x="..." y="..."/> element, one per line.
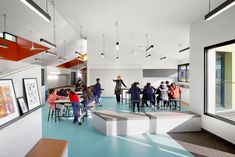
<point x="8" y="104"/>
<point x="22" y="105"/>
<point x="31" y="92"/>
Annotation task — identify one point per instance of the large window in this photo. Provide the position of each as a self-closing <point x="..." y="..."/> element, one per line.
<point x="220" y="81"/>
<point x="183" y="73"/>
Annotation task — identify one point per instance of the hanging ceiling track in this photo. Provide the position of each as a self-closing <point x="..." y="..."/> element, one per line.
<point x="221" y="8"/>
<point x="38" y="10"/>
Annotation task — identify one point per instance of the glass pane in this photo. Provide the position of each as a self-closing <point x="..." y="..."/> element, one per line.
<point x="221" y="82"/>
<point x="182" y="73"/>
<point x="188" y="74"/>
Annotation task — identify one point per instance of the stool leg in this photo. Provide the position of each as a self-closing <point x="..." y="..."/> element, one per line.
<point x="52" y="113"/>
<point x="55" y="114"/>
<point x="48" y="117"/>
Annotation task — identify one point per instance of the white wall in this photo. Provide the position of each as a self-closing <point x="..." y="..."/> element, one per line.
<point x="19" y="137"/>
<point x="107" y="75"/>
<point x="203" y="34"/>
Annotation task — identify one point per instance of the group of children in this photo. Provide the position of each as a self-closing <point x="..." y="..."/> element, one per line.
<point x="165" y="92"/>
<point x="89" y="95"/>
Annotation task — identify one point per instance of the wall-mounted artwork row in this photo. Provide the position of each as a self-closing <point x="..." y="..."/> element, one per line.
<point x="8" y="104"/>
<point x="31" y="92"/>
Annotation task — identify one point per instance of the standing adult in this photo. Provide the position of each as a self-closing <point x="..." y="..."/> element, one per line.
<point x="118" y="88"/>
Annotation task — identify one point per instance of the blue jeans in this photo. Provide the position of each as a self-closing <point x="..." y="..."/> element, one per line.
<point x="97" y="99"/>
<point x="76" y="111"/>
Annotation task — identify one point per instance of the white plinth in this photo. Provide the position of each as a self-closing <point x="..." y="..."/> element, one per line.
<point x="163" y="122"/>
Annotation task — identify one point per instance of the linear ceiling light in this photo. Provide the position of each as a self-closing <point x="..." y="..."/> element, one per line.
<point x="62" y="59"/>
<point x="51" y="53"/>
<point x="224" y="6"/>
<point x="185" y="49"/>
<point x="149" y="48"/>
<point x="47" y="43"/>
<point x="3" y="46"/>
<point x="148" y="56"/>
<point x="163" y="58"/>
<point x="33" y="6"/>
<point x="78" y="53"/>
<point x="39" y="59"/>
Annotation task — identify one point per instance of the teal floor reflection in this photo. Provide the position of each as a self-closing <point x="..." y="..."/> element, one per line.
<point x="86" y="141"/>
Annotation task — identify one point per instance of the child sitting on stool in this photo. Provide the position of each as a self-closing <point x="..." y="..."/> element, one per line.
<point x="51" y="101"/>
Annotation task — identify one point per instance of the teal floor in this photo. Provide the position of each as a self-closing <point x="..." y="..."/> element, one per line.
<point x="86" y="141"/>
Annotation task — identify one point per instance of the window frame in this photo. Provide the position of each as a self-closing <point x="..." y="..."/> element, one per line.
<point x="206" y="49"/>
<point x="186" y="65"/>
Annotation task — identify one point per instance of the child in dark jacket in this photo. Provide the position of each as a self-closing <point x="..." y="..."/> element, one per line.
<point x="148" y="94"/>
<point x="135" y="96"/>
<point x="97" y="92"/>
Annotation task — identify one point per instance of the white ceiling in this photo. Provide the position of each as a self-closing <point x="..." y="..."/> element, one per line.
<point x="166" y="21"/>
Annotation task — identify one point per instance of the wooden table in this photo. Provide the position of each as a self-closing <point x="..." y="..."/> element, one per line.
<point x="49" y="148"/>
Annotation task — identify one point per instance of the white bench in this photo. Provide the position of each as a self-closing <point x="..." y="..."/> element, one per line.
<point x="163" y="122"/>
<point x="112" y="123"/>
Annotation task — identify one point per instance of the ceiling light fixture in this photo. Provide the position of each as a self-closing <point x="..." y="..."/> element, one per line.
<point x="117" y="42"/>
<point x="163" y="58"/>
<point x="185" y="49"/>
<point x="51" y="53"/>
<point x="221" y="8"/>
<point x="39" y="59"/>
<point x="33" y="6"/>
<point x="5" y="34"/>
<point x="62" y="59"/>
<point x="117" y="58"/>
<point x="148" y="56"/>
<point x="78" y="53"/>
<point x="3" y="46"/>
<point x="47" y="43"/>
<point x="149" y="48"/>
<point x="102" y="54"/>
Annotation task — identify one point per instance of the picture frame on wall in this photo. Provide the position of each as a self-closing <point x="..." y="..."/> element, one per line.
<point x="31" y="92"/>
<point x="8" y="105"/>
<point x="22" y="105"/>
